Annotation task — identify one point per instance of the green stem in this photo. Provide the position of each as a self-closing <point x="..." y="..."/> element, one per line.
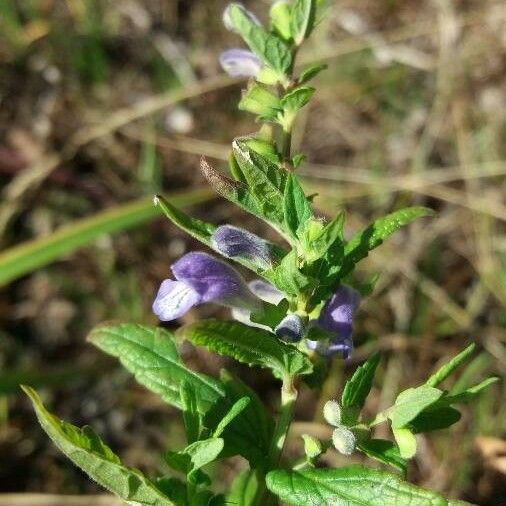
<point x="288" y="400"/>
<point x="286" y="150"/>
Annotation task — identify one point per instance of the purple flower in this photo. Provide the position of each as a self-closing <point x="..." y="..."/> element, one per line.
<point x="264" y="291"/>
<point x="227" y="18"/>
<point x="291" y="328"/>
<point x="337" y="317"/>
<point x="240" y="63"/>
<point x="201" y="278"/>
<point x="235" y="242"/>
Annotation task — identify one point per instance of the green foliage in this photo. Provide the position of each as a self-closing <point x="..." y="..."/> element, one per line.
<point x="310" y="72"/>
<point x="302" y="19"/>
<point x="296" y="206"/>
<point x="249" y="345"/>
<point x="406" y="442"/>
<point x="383" y="451"/>
<point x="280" y="15"/>
<point x="448" y="368"/>
<point x="273" y="51"/>
<point x="87" y="451"/>
<point x="244" y="489"/>
<point x="150" y="354"/>
<point x="348" y="486"/>
<point x="357" y="388"/>
<point x="410" y="403"/>
<point x="260" y="101"/>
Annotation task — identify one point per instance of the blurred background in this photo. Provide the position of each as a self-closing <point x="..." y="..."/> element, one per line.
<point x="104" y="103"/>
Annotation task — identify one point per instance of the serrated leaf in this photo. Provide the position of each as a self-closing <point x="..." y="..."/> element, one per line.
<point x="87" y="451"/>
<point x="266" y="183"/>
<point x="447" y="369"/>
<point x="302" y="19"/>
<point x="348" y="486"/>
<point x="436" y="418"/>
<point x="296" y="206"/>
<point x="411" y="403"/>
<point x="383" y="451"/>
<point x="150" y="354"/>
<point x="296" y="99"/>
<point x="374" y="235"/>
<point x="406" y="441"/>
<point x="310" y="72"/>
<point x="249" y="345"/>
<point x="268" y="47"/>
<point x="357" y="388"/>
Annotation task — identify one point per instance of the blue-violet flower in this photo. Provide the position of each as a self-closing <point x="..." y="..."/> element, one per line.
<point x="240" y="63"/>
<point x="201" y="278"/>
<point x="235" y="242"/>
<point x="337" y="317"/>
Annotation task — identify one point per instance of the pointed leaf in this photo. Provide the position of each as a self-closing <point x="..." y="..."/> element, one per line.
<point x="357" y="388"/>
<point x="296" y="205"/>
<point x="268" y="47"/>
<point x="311" y="71"/>
<point x="87" y="451"/>
<point x="249" y="345"/>
<point x="410" y="403"/>
<point x="470" y="392"/>
<point x="348" y="486"/>
<point x="303" y="19"/>
<point x="233" y="412"/>
<point x="296" y="99"/>
<point x="445" y="371"/>
<point x="435" y="418"/>
<point x="374" y="235"/>
<point x="244" y="489"/>
<point x="150" y="355"/>
<point x="191" y="416"/>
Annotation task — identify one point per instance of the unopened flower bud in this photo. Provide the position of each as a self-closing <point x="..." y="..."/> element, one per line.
<point x="332" y="413"/>
<point x="344" y="440"/>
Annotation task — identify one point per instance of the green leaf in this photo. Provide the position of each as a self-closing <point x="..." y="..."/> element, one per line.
<point x="87" y="451"/>
<point x="249" y="345"/>
<point x="191" y="416"/>
<point x="383" y="451"/>
<point x="203" y="452"/>
<point x="435" y="418"/>
<point x="233" y="412"/>
<point x="357" y="388"/>
<point x="310" y="72"/>
<point x="249" y="434"/>
<point x="260" y="101"/>
<point x="410" y="403"/>
<point x="447" y="369"/>
<point x="406" y="441"/>
<point x="374" y="235"/>
<point x="280" y="14"/>
<point x="296" y="99"/>
<point x="268" y="47"/>
<point x="348" y="486"/>
<point x="325" y="241"/>
<point x="150" y="355"/>
<point x="198" y="229"/>
<point x="296" y="205"/>
<point x="302" y="19"/>
<point x="244" y="489"/>
<point x="265" y="183"/>
<point x="34" y="254"/>
<point x="287" y="276"/>
<point x="471" y="392"/>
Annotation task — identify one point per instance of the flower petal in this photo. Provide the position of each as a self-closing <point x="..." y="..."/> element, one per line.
<point x="235" y="242"/>
<point x="240" y="63"/>
<point x="174" y="299"/>
<point x="291" y="328"/>
<point x="214" y="280"/>
<point x="337" y="314"/>
<point x="266" y="291"/>
<point x="227" y="20"/>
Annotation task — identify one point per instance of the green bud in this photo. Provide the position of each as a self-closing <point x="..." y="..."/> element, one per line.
<point x="344" y="440"/>
<point x="312" y="446"/>
<point x="332" y="413"/>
